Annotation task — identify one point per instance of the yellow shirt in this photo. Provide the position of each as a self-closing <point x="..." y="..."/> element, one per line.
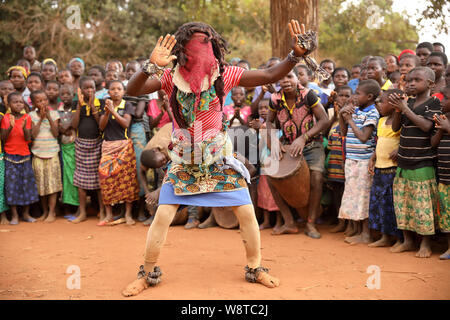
<point x="388" y="141"/>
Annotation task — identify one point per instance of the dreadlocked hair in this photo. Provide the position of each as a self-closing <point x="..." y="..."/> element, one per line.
<point x="219" y="46"/>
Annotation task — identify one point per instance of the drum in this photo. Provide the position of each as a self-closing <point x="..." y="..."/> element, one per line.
<point x="225" y="217"/>
<point x="181" y="217"/>
<point x="291" y="179"/>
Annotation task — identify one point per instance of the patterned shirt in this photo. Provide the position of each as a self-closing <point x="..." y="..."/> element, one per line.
<point x="415" y="149"/>
<point x="209" y="121"/>
<point x="355" y="149"/>
<point x="296" y="120"/>
<point x="45" y="145"/>
<point x="335" y="170"/>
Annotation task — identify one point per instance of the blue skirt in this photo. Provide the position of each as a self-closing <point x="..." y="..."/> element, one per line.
<point x="238" y="197"/>
<point x="381" y="207"/>
<point x="20" y="183"/>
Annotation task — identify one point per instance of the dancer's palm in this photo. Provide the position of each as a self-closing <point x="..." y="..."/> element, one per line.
<point x="296" y="29"/>
<point x="161" y="53"/>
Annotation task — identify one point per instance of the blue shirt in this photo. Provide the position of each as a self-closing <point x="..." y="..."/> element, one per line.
<point x="355" y="149"/>
<point x="353" y="84"/>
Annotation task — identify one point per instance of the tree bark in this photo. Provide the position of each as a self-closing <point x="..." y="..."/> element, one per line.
<point x="281" y="12"/>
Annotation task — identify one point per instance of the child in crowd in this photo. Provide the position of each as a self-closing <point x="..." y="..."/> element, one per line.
<point x="392" y="64"/>
<point x="415" y="189"/>
<point x="327" y="85"/>
<point x="6" y="87"/>
<point x="376" y="70"/>
<point x="98" y="74"/>
<point x="117" y="170"/>
<point x="114" y="65"/>
<point x="395" y="77"/>
<point x="238" y="112"/>
<point x="159" y="113"/>
<point x="49" y="70"/>
<point x="358" y="123"/>
<point x="18" y="77"/>
<point x="407" y="63"/>
<point x="382" y="166"/>
<point x="20" y="185"/>
<point x="437" y="61"/>
<point x="29" y="53"/>
<point x="3" y="205"/>
<point x="24" y="64"/>
<point x="110" y="75"/>
<point x="34" y="82"/>
<point x="131" y="68"/>
<point x="45" y="149"/>
<point x="335" y="169"/>
<point x="340" y="77"/>
<point x="353" y="82"/>
<point x="265" y="198"/>
<point x="76" y="67"/>
<point x="88" y="146"/>
<point x="302" y="118"/>
<point x="52" y="92"/>
<point x="442" y="140"/>
<point x="423" y="51"/>
<point x="67" y="140"/>
<point x="65" y="77"/>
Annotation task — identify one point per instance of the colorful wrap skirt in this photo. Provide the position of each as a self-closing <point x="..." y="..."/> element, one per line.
<point x="356" y="197"/>
<point x="117" y="172"/>
<point x="20" y="183"/>
<point x="444" y="207"/>
<point x="87" y="159"/>
<point x="416" y="200"/>
<point x="70" y="192"/>
<point x="381" y="208"/>
<point x="139" y="139"/>
<point x="3" y="205"/>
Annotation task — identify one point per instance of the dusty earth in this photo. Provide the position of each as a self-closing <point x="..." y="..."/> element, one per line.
<point x="205" y="264"/>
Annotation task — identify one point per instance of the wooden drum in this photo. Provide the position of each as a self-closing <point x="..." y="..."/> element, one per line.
<point x="225" y="217"/>
<point x="291" y="179"/>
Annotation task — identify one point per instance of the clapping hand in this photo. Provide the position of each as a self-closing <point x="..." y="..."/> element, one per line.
<point x="442" y="122"/>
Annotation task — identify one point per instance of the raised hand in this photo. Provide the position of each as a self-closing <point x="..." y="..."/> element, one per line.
<point x="442" y="122"/>
<point x="295" y="29"/>
<point x="109" y="106"/>
<point x="161" y="53"/>
<point x="398" y="102"/>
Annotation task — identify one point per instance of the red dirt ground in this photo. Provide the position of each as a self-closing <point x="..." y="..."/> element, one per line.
<point x="205" y="264"/>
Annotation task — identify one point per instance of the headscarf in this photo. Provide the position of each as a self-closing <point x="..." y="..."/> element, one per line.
<point x="49" y="60"/>
<point x="79" y="60"/>
<point x="21" y="69"/>
<point x="406" y="51"/>
<point x="201" y="62"/>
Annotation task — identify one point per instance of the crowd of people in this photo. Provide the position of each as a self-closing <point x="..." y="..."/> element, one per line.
<point x="376" y="139"/>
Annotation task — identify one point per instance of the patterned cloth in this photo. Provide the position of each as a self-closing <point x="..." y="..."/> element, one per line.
<point x="87" y="159"/>
<point x="381" y="207"/>
<point x="117" y="172"/>
<point x="20" y="183"/>
<point x="265" y="197"/>
<point x="48" y="175"/>
<point x="335" y="169"/>
<point x="416" y="200"/>
<point x="45" y="145"/>
<point x="70" y="192"/>
<point x="3" y="205"/>
<point x="444" y="208"/>
<point x="139" y="142"/>
<point x="356" y="198"/>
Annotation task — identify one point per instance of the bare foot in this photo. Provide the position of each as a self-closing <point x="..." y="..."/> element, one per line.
<point x="50" y="218"/>
<point x="266" y="279"/>
<point x="383" y="242"/>
<point x="79" y="219"/>
<point x="352" y="231"/>
<point x="424" y="251"/>
<point x="28" y="218"/>
<point x="136" y="287"/>
<point x="396" y="244"/>
<point x="445" y="255"/>
<point x="208" y="223"/>
<point x="148" y="222"/>
<point x="192" y="224"/>
<point x="14" y="220"/>
<point x="130" y="221"/>
<point x="264" y="225"/>
<point x="405" y="246"/>
<point x="43" y="217"/>
<point x="360" y="238"/>
<point x="4" y="220"/>
<point x="285" y="229"/>
<point x="311" y="231"/>
<point x="340" y="227"/>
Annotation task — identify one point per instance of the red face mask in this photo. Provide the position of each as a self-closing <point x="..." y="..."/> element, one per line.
<point x="200" y="62"/>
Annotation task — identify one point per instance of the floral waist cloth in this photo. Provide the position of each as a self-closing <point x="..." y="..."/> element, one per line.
<point x="206" y="166"/>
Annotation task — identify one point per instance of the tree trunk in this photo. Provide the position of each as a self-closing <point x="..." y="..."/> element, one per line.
<point x="281" y="12"/>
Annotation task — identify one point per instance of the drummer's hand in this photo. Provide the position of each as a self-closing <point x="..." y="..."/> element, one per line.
<point x="297" y="146"/>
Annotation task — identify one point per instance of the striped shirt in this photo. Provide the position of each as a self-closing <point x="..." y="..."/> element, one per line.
<point x="355" y="149"/>
<point x="45" y="145"/>
<point x="444" y="159"/>
<point x="415" y="149"/>
<point x="209" y="121"/>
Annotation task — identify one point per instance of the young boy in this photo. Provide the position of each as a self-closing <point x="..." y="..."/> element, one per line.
<point x="423" y="51"/>
<point x="415" y="189"/>
<point x="437" y="61"/>
<point x="98" y="74"/>
<point x="358" y="124"/>
<point x="238" y="112"/>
